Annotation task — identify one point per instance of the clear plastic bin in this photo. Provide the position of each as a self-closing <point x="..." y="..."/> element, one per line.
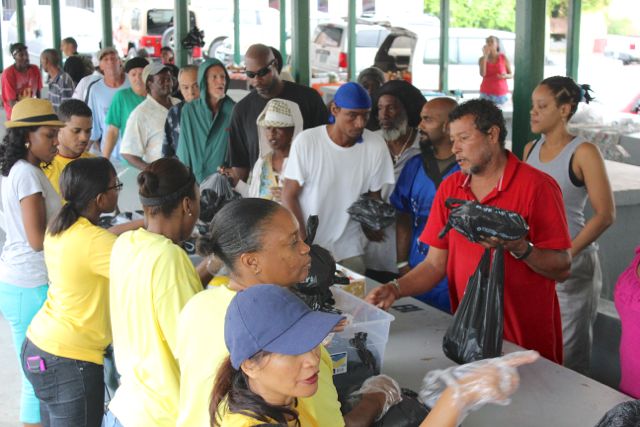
<point x="363" y="317"/>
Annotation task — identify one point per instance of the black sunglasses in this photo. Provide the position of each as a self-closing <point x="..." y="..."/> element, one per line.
<point x="261" y="72"/>
<point x="116" y="187"/>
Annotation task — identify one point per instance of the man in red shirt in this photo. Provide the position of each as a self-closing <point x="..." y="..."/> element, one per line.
<point x="494" y="176"/>
<point x="21" y="80"/>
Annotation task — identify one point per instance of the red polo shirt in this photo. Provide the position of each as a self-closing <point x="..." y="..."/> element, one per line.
<point x="531" y="310"/>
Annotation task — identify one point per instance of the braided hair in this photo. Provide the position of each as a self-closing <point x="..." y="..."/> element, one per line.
<point x="567" y="91"/>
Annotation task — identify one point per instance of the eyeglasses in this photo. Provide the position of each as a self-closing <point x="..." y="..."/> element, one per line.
<point x="261" y="72"/>
<point x="116" y="187"/>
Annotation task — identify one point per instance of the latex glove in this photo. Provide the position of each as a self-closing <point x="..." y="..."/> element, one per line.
<point x="478" y="383"/>
<point x="382" y="384"/>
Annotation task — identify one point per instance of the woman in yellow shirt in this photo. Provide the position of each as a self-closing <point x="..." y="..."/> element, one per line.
<point x="63" y="353"/>
<point x="274" y="358"/>
<point x="258" y="241"/>
<point x="152" y="278"/>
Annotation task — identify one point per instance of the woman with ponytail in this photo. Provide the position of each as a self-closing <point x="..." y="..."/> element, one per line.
<point x="28" y="202"/>
<point x="67" y="338"/>
<point x="578" y="168"/>
<point x="152" y="278"/>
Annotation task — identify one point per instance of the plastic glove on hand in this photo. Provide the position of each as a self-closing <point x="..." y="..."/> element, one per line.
<point x="478" y="383"/>
<point x="385" y="385"/>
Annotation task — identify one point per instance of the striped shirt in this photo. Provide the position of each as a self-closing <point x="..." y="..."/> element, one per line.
<point x="60" y="88"/>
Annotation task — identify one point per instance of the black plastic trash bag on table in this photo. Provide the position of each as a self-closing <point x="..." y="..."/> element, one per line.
<point x="215" y="192"/>
<point x="477" y="222"/>
<point x="476" y="330"/>
<point x="373" y="213"/>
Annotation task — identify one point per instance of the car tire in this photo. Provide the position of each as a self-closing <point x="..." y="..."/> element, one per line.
<point x="214" y="45"/>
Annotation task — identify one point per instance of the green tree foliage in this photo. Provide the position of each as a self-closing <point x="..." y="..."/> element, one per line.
<point x="499" y="14"/>
<point x="560" y="8"/>
<point x="496" y="14"/>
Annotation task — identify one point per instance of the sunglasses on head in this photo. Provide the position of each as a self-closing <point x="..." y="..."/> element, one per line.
<point x="261" y="72"/>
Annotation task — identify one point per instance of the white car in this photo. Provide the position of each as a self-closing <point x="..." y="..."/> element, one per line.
<point x="329" y="47"/>
<point x="74" y="21"/>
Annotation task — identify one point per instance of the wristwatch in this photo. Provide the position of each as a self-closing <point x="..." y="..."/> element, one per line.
<point x="525" y="254"/>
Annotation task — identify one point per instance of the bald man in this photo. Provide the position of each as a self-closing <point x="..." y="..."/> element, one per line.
<point x="262" y="74"/>
<point x="416" y="188"/>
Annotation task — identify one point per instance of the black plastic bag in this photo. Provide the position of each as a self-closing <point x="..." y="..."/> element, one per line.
<point x="625" y="414"/>
<point x="314" y="291"/>
<point x="476" y="330"/>
<point x="410" y="412"/>
<point x="215" y="192"/>
<point x="373" y="213"/>
<point x="477" y="222"/>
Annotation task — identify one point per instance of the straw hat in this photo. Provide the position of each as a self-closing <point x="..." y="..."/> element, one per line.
<point x="33" y="112"/>
<point x="276" y="114"/>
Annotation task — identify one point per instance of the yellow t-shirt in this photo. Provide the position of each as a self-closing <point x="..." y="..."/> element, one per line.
<point x="57" y="165"/>
<point x="151" y="280"/>
<point x="201" y="349"/>
<point x="74" y="320"/>
<point x="240" y="420"/>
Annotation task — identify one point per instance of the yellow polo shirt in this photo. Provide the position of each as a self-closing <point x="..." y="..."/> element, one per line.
<point x="240" y="420"/>
<point x="74" y="320"/>
<point x="57" y="165"/>
<point x="151" y="280"/>
<point x="201" y="349"/>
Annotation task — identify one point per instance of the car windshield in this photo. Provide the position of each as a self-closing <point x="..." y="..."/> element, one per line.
<point x="158" y="20"/>
<point x="328" y="36"/>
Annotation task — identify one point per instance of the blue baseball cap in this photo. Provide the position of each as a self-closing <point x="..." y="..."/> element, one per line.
<point x="272" y="318"/>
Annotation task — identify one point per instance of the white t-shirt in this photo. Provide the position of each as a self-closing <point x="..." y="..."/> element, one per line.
<point x="332" y="178"/>
<point x="144" y="132"/>
<point x="20" y="265"/>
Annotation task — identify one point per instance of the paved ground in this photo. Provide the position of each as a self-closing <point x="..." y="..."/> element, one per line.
<point x="9" y="378"/>
<point x="9" y="368"/>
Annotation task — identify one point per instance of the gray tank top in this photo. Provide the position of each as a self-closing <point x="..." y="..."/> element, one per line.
<point x="574" y="196"/>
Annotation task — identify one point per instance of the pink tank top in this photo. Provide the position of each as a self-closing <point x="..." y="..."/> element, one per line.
<point x="491" y="83"/>
<point x="627" y="299"/>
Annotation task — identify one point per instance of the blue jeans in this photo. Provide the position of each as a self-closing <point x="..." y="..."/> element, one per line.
<point x="18" y="305"/>
<point x="71" y="392"/>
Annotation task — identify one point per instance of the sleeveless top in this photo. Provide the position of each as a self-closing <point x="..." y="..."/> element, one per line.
<point x="491" y="83"/>
<point x="574" y="193"/>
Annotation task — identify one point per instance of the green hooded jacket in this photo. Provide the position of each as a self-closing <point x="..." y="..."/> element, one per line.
<point x="204" y="138"/>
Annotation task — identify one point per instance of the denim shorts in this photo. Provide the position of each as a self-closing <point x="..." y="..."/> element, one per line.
<point x="71" y="392"/>
<point x="496" y="99"/>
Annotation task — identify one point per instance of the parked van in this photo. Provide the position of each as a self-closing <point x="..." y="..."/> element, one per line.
<point x="143" y="27"/>
<point x="329" y="46"/>
<point x="465" y="49"/>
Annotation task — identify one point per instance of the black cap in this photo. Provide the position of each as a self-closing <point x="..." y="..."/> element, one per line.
<point x="136" y="62"/>
<point x="410" y="96"/>
<point x="17" y="47"/>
